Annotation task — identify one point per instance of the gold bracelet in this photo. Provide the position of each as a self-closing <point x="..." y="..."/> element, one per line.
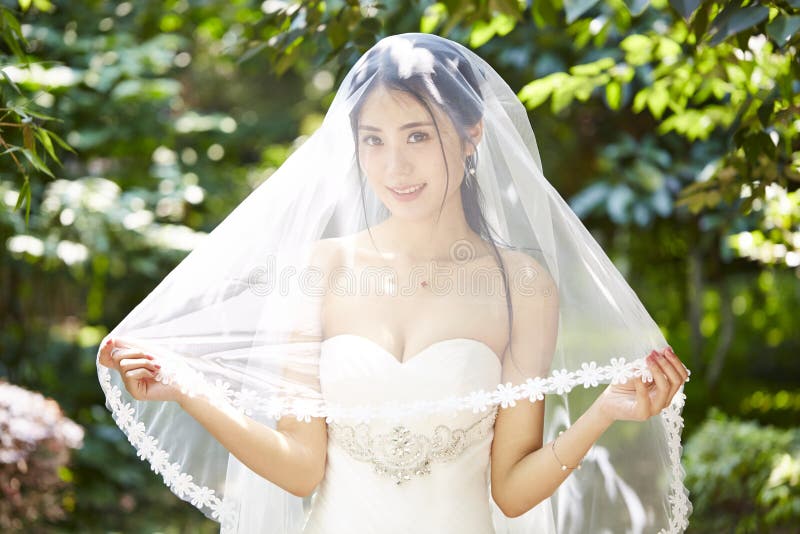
<point x="563" y="466"/>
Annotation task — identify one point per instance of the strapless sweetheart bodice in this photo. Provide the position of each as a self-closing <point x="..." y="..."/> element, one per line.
<point x="418" y="473"/>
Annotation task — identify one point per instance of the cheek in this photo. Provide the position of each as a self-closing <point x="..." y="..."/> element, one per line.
<point x="368" y="163"/>
<point x="429" y="160"/>
<point x="455" y="165"/>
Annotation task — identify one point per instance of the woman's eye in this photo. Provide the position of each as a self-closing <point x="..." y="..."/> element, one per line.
<point x="416" y="137"/>
<point x="371" y="140"/>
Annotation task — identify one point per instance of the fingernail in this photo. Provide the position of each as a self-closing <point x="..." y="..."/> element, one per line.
<point x="158" y="366"/>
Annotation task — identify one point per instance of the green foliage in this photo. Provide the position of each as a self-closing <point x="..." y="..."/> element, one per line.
<point x="635" y="184"/>
<point x="743" y="477"/>
<point x="783" y="404"/>
<point x="775" y="239"/>
<point x="162" y="151"/>
<point x="19" y="119"/>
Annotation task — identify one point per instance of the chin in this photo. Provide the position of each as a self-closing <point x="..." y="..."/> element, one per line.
<point x="413" y="213"/>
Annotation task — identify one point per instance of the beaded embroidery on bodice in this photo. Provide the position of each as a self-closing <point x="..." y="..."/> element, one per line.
<point x="416" y="474"/>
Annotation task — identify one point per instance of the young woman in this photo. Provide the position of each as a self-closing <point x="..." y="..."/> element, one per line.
<point x="438" y="289"/>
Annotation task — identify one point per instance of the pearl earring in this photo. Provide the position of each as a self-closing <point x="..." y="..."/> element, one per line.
<point x="471" y="165"/>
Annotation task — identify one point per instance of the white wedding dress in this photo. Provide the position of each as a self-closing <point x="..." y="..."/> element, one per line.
<point x="423" y="475"/>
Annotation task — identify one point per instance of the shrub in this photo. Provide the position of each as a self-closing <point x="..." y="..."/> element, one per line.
<point x="743" y="477"/>
<point x="35" y="439"/>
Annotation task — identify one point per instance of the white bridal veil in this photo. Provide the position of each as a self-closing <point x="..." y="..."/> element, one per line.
<point x="239" y="320"/>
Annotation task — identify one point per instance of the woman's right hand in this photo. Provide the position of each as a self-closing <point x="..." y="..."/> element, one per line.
<point x="138" y="371"/>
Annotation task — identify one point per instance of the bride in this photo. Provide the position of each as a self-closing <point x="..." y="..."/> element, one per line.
<point x="400" y="387"/>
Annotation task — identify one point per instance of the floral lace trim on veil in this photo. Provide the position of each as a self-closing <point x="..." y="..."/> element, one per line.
<point x="248" y="402"/>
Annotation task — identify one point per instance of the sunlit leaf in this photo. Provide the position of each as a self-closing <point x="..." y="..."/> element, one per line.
<point x="613" y="94"/>
<point x="433" y="16"/>
<point x="536" y="92"/>
<point x="36" y="162"/>
<point x="44" y="138"/>
<point x="592" y="69"/>
<point x="657" y="100"/>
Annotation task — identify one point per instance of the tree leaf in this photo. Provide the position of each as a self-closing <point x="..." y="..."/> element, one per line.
<point x="617" y="203"/>
<point x="636" y="7"/>
<point x="22" y="192"/>
<point x="657" y="100"/>
<point x="41" y="133"/>
<point x="36" y="162"/>
<point x="685" y="8"/>
<point x="60" y="141"/>
<point x="734" y="19"/>
<point x="613" y="94"/>
<point x="576" y="8"/>
<point x="432" y="17"/>
<point x="589" y="199"/>
<point x="481" y="33"/>
<point x="782" y="28"/>
<point x="10" y="81"/>
<point x="592" y="69"/>
<point x="534" y="93"/>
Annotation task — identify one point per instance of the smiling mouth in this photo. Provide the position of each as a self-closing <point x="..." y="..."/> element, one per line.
<point x="408" y="190"/>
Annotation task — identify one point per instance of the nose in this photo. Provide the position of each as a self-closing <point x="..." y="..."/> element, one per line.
<point x="398" y="162"/>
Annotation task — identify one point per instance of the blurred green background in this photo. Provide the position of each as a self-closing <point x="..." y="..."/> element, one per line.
<point x="130" y="129"/>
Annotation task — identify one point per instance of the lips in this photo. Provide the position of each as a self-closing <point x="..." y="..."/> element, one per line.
<point x="407" y="193"/>
<point x="407" y="189"/>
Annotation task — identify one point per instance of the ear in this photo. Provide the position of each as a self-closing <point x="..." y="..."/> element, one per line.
<point x="475" y="134"/>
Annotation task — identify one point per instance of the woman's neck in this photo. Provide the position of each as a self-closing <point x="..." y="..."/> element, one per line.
<point x="419" y="240"/>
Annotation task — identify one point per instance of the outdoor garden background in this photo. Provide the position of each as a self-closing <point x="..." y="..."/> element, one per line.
<point x="130" y="129"/>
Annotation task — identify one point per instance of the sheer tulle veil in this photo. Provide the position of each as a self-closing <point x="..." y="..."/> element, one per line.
<point x="239" y="319"/>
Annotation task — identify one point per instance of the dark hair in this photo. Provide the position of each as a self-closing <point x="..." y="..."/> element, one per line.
<point x="447" y="79"/>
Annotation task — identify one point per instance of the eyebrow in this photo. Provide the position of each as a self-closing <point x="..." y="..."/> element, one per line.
<point x="403" y="127"/>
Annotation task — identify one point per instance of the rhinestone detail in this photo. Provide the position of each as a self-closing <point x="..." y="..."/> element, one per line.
<point x="400" y="453"/>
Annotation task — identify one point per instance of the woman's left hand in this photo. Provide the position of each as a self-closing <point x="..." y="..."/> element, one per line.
<point x="636" y="400"/>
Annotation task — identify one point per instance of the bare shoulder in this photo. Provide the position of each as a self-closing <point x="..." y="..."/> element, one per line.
<point x="527" y="276"/>
<point x="334" y="251"/>
<point x="325" y="253"/>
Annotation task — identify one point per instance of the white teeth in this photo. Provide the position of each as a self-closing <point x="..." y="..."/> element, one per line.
<point x="409" y="190"/>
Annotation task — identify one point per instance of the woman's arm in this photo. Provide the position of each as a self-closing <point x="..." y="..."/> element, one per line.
<point x="528" y="473"/>
<point x="524" y="472"/>
<point x="292" y="456"/>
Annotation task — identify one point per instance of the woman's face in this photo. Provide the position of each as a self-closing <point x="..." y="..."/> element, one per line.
<point x="399" y="151"/>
